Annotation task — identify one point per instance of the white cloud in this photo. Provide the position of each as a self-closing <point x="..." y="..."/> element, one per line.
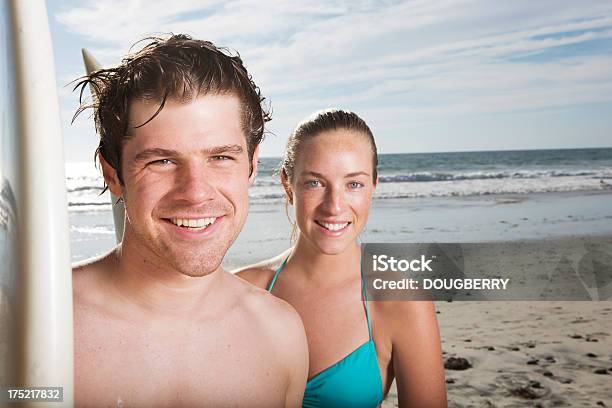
<point x="398" y="61"/>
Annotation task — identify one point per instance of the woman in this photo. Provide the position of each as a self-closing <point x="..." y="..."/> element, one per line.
<point x="356" y="347"/>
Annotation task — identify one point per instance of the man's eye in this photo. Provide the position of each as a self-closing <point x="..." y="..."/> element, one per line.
<point x="313" y="183"/>
<point x="355" y="185"/>
<point x="161" y="162"/>
<point x="222" y="158"/>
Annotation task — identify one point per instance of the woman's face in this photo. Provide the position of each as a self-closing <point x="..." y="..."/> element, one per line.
<point x="332" y="189"/>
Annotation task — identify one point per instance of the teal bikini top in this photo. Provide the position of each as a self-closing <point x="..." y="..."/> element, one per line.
<point x="353" y="381"/>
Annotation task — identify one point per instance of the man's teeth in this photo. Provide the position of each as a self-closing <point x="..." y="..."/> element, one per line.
<point x="193" y="223"/>
<point x="334" y="227"/>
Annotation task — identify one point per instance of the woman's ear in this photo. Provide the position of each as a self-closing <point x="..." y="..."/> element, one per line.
<point x="110" y="177"/>
<point x="286" y="186"/>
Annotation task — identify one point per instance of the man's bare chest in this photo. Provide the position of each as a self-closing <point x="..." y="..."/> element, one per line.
<point x="175" y="365"/>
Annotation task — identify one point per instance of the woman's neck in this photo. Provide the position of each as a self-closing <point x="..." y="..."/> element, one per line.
<point x="308" y="260"/>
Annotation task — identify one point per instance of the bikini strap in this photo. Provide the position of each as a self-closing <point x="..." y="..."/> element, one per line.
<point x="280" y="268"/>
<point x="365" y="302"/>
<point x="363" y="292"/>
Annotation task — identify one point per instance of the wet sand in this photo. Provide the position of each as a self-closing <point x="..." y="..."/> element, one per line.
<point x="527" y="354"/>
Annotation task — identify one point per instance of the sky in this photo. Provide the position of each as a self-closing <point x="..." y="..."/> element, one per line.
<point x="427" y="76"/>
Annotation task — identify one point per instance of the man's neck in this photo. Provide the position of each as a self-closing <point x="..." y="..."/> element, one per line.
<point x="144" y="279"/>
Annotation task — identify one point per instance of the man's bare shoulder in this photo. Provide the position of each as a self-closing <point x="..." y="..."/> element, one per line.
<point x="261" y="304"/>
<point x="89" y="277"/>
<point x="261" y="273"/>
<point x="279" y="322"/>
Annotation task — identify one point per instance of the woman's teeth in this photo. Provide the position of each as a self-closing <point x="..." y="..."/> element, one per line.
<point x="333" y="226"/>
<point x="192" y="222"/>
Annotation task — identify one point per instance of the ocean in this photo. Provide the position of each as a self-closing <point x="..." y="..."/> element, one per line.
<point x="413" y="175"/>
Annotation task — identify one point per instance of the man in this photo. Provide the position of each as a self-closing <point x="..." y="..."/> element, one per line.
<point x="158" y="322"/>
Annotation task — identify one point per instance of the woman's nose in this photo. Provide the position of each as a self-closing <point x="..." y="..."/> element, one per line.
<point x="334" y="200"/>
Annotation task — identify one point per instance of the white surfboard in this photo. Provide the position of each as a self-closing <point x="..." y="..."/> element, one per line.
<point x="91" y="64"/>
<point x="36" y="332"/>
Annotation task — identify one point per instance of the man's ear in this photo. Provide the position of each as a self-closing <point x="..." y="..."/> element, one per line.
<point x="254" y="161"/>
<point x="110" y="177"/>
<point x="286" y="186"/>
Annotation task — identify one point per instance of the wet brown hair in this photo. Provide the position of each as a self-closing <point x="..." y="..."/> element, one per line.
<point x="324" y="121"/>
<point x="177" y="67"/>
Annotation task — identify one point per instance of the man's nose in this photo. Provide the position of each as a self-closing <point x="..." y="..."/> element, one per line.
<point x="194" y="185"/>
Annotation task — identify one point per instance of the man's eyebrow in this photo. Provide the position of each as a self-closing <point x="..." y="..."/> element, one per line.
<point x="236" y="149"/>
<point x="155" y="152"/>
<point x="159" y="152"/>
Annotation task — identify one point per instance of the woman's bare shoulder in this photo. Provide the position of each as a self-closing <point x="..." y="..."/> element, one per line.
<point x="260" y="274"/>
<point x="402" y="315"/>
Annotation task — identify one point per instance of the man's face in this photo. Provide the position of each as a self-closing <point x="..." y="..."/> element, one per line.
<point x="186" y="180"/>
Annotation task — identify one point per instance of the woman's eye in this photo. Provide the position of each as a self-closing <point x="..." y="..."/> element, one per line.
<point x="355" y="185"/>
<point x="313" y="183"/>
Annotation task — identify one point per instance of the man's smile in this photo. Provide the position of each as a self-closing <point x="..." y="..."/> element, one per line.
<point x="194" y="225"/>
<point x="193" y="222"/>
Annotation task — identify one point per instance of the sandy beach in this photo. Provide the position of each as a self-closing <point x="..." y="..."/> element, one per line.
<point x="539" y="354"/>
<point x="527" y="354"/>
